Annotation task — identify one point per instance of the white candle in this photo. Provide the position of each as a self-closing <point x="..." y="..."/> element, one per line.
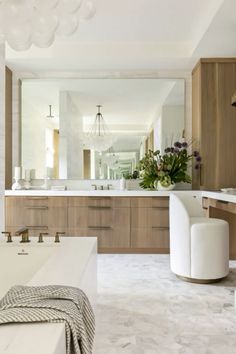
<point x="17" y="173"/>
<point x="27" y="175"/>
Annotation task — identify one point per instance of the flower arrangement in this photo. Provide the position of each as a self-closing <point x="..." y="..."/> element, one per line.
<point x="169" y="168"/>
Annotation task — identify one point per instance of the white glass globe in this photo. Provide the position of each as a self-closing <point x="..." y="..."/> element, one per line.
<point x="43" y="40"/>
<point x="87" y="10"/>
<point x="68" y="24"/>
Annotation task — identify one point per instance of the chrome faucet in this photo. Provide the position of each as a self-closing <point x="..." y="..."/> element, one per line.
<point x="24" y="233"/>
<point x="95" y="186"/>
<point x="108" y="186"/>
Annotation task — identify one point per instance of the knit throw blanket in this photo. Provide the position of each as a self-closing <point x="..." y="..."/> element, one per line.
<point x="53" y="303"/>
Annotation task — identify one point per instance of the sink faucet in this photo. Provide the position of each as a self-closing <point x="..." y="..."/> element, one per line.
<point x="95" y="186"/>
<point x="24" y="233"/>
<point x="108" y="186"/>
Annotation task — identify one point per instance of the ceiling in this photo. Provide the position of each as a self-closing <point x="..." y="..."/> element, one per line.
<point x="139" y="35"/>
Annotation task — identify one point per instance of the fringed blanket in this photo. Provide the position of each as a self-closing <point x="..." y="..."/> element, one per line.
<point x="53" y="303"/>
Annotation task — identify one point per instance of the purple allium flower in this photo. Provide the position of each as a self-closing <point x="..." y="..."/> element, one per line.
<point x="184" y="144"/>
<point x="196" y="167"/>
<point x="172" y="149"/>
<point x="195" y="153"/>
<point x="176" y="150"/>
<point x="177" y="144"/>
<point x="198" y="158"/>
<point x="167" y="150"/>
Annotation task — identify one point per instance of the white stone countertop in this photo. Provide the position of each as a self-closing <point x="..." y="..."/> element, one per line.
<point x="229" y="197"/>
<point x="96" y="193"/>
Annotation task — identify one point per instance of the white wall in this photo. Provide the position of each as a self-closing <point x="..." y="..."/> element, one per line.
<point x="71" y="160"/>
<point x="172" y="124"/>
<point x="2" y="135"/>
<point x="33" y="139"/>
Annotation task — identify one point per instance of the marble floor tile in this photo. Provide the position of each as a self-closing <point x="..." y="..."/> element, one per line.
<point x="144" y="309"/>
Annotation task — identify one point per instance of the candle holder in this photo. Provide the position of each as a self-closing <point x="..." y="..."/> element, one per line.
<point x="16" y="185"/>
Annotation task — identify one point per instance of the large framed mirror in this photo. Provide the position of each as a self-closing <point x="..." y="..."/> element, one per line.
<point x="61" y="124"/>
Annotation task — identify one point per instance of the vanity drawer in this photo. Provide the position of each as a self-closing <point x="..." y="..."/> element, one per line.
<point x="146" y="202"/>
<point x="149" y="217"/>
<point x="107" y="237"/>
<point x="36" y="216"/>
<point x="151" y="238"/>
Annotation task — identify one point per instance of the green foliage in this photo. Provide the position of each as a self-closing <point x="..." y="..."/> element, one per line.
<point x="168" y="168"/>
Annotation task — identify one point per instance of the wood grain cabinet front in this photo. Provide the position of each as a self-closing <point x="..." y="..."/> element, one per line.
<point x="38" y="214"/>
<point x="150" y="224"/>
<point x="108" y="219"/>
<point x="121" y="224"/>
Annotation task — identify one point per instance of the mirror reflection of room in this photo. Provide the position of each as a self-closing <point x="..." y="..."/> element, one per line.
<point x="97" y="128"/>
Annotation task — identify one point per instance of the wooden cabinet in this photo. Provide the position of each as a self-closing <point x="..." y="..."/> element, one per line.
<point x="214" y="122"/>
<point x="106" y="218"/>
<point x="221" y="209"/>
<point x="150" y="224"/>
<point x="120" y="224"/>
<point x="38" y="214"/>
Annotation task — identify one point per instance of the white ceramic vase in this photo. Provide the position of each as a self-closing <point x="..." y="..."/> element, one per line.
<point x="161" y="188"/>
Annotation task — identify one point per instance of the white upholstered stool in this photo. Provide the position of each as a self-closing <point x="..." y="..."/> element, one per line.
<point x="199" y="246"/>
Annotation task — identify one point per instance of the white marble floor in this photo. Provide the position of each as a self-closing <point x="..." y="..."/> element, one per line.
<point x="144" y="309"/>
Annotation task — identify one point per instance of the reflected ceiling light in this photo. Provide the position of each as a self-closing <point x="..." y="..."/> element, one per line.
<point x="111" y="159"/>
<point x="27" y="22"/>
<point x="50" y="112"/>
<point x="99" y="138"/>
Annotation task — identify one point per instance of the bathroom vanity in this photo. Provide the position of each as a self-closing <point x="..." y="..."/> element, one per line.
<point x="123" y="222"/>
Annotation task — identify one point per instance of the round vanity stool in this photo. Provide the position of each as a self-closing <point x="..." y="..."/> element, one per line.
<point x="199" y="246"/>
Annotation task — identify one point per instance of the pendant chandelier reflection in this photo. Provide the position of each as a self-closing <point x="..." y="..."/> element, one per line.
<point x="111" y="159"/>
<point x="27" y="22"/>
<point x="99" y="138"/>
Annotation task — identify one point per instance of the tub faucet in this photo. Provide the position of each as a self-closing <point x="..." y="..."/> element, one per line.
<point x="8" y="234"/>
<point x="24" y="233"/>
<point x="57" y="236"/>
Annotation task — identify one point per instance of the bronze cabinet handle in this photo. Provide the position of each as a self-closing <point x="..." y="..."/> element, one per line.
<point x="36" y="198"/>
<point x="160" y="227"/>
<point x="99" y="207"/>
<point x="36" y="227"/>
<point x="222" y="201"/>
<point x="100" y="227"/>
<point x="37" y="207"/>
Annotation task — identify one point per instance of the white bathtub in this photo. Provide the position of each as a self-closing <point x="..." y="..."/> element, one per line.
<point x="72" y="262"/>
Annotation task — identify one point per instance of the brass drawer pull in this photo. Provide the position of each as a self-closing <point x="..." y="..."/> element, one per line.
<point x="99" y="207"/>
<point x="36" y="227"/>
<point x="37" y="207"/>
<point x="99" y="198"/>
<point x="100" y="227"/>
<point x="160" y="207"/>
<point x="222" y="201"/>
<point x="160" y="227"/>
<point x="36" y="198"/>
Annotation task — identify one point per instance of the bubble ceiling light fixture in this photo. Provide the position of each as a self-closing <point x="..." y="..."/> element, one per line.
<point x="38" y="22"/>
